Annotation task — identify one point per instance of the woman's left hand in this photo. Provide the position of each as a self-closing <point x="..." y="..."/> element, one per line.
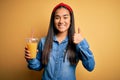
<point x="77" y="37"/>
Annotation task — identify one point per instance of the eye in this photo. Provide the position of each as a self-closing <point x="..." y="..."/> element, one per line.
<point x="65" y="17"/>
<point x="57" y="17"/>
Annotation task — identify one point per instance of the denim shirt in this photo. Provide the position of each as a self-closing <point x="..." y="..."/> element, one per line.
<point x="57" y="69"/>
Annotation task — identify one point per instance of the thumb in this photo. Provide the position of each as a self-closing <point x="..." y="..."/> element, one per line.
<point x="78" y="29"/>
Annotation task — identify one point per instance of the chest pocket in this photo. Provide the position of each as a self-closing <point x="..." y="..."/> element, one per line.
<point x="57" y="54"/>
<point x="58" y="50"/>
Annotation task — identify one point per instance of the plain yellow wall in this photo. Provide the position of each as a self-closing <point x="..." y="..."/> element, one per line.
<point x="99" y="21"/>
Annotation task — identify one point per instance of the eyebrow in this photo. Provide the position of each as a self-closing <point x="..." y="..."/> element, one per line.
<point x="66" y="15"/>
<point x="63" y="15"/>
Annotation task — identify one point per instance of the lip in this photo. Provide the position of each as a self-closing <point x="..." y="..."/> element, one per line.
<point x="61" y="26"/>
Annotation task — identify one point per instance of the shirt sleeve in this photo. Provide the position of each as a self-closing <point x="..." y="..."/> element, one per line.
<point x="85" y="55"/>
<point x="36" y="64"/>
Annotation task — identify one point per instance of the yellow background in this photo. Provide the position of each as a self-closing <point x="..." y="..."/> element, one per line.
<point x="99" y="21"/>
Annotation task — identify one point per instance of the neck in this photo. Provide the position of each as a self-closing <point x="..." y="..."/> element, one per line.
<point x="61" y="36"/>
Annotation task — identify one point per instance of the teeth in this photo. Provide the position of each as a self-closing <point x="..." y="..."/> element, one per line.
<point x="62" y="24"/>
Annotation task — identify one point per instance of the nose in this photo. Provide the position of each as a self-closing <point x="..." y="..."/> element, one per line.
<point x="61" y="20"/>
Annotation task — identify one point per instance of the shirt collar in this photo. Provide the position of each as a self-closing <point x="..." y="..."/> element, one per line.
<point x="55" y="39"/>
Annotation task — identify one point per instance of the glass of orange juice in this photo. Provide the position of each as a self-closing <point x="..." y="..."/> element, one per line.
<point x="32" y="46"/>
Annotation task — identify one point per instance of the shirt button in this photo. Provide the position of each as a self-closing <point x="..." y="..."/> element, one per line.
<point x="56" y="62"/>
<point x="64" y="51"/>
<point x="55" y="72"/>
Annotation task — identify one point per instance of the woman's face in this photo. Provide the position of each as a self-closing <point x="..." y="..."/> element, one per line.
<point x="62" y="20"/>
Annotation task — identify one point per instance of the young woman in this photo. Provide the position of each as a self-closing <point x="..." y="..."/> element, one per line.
<point x="62" y="48"/>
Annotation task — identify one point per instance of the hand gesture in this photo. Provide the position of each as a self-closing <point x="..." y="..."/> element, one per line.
<point x="77" y="37"/>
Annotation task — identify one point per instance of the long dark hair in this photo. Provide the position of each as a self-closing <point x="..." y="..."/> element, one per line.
<point x="70" y="52"/>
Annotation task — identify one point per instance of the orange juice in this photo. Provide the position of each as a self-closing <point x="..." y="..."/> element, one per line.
<point x="32" y="46"/>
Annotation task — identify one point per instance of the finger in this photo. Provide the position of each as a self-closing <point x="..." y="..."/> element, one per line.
<point x="27" y="57"/>
<point x="26" y="48"/>
<point x="27" y="51"/>
<point x="78" y="29"/>
<point x="26" y="54"/>
<point x="37" y="51"/>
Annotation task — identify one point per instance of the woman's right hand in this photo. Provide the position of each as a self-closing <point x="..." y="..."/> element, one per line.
<point x="27" y="54"/>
